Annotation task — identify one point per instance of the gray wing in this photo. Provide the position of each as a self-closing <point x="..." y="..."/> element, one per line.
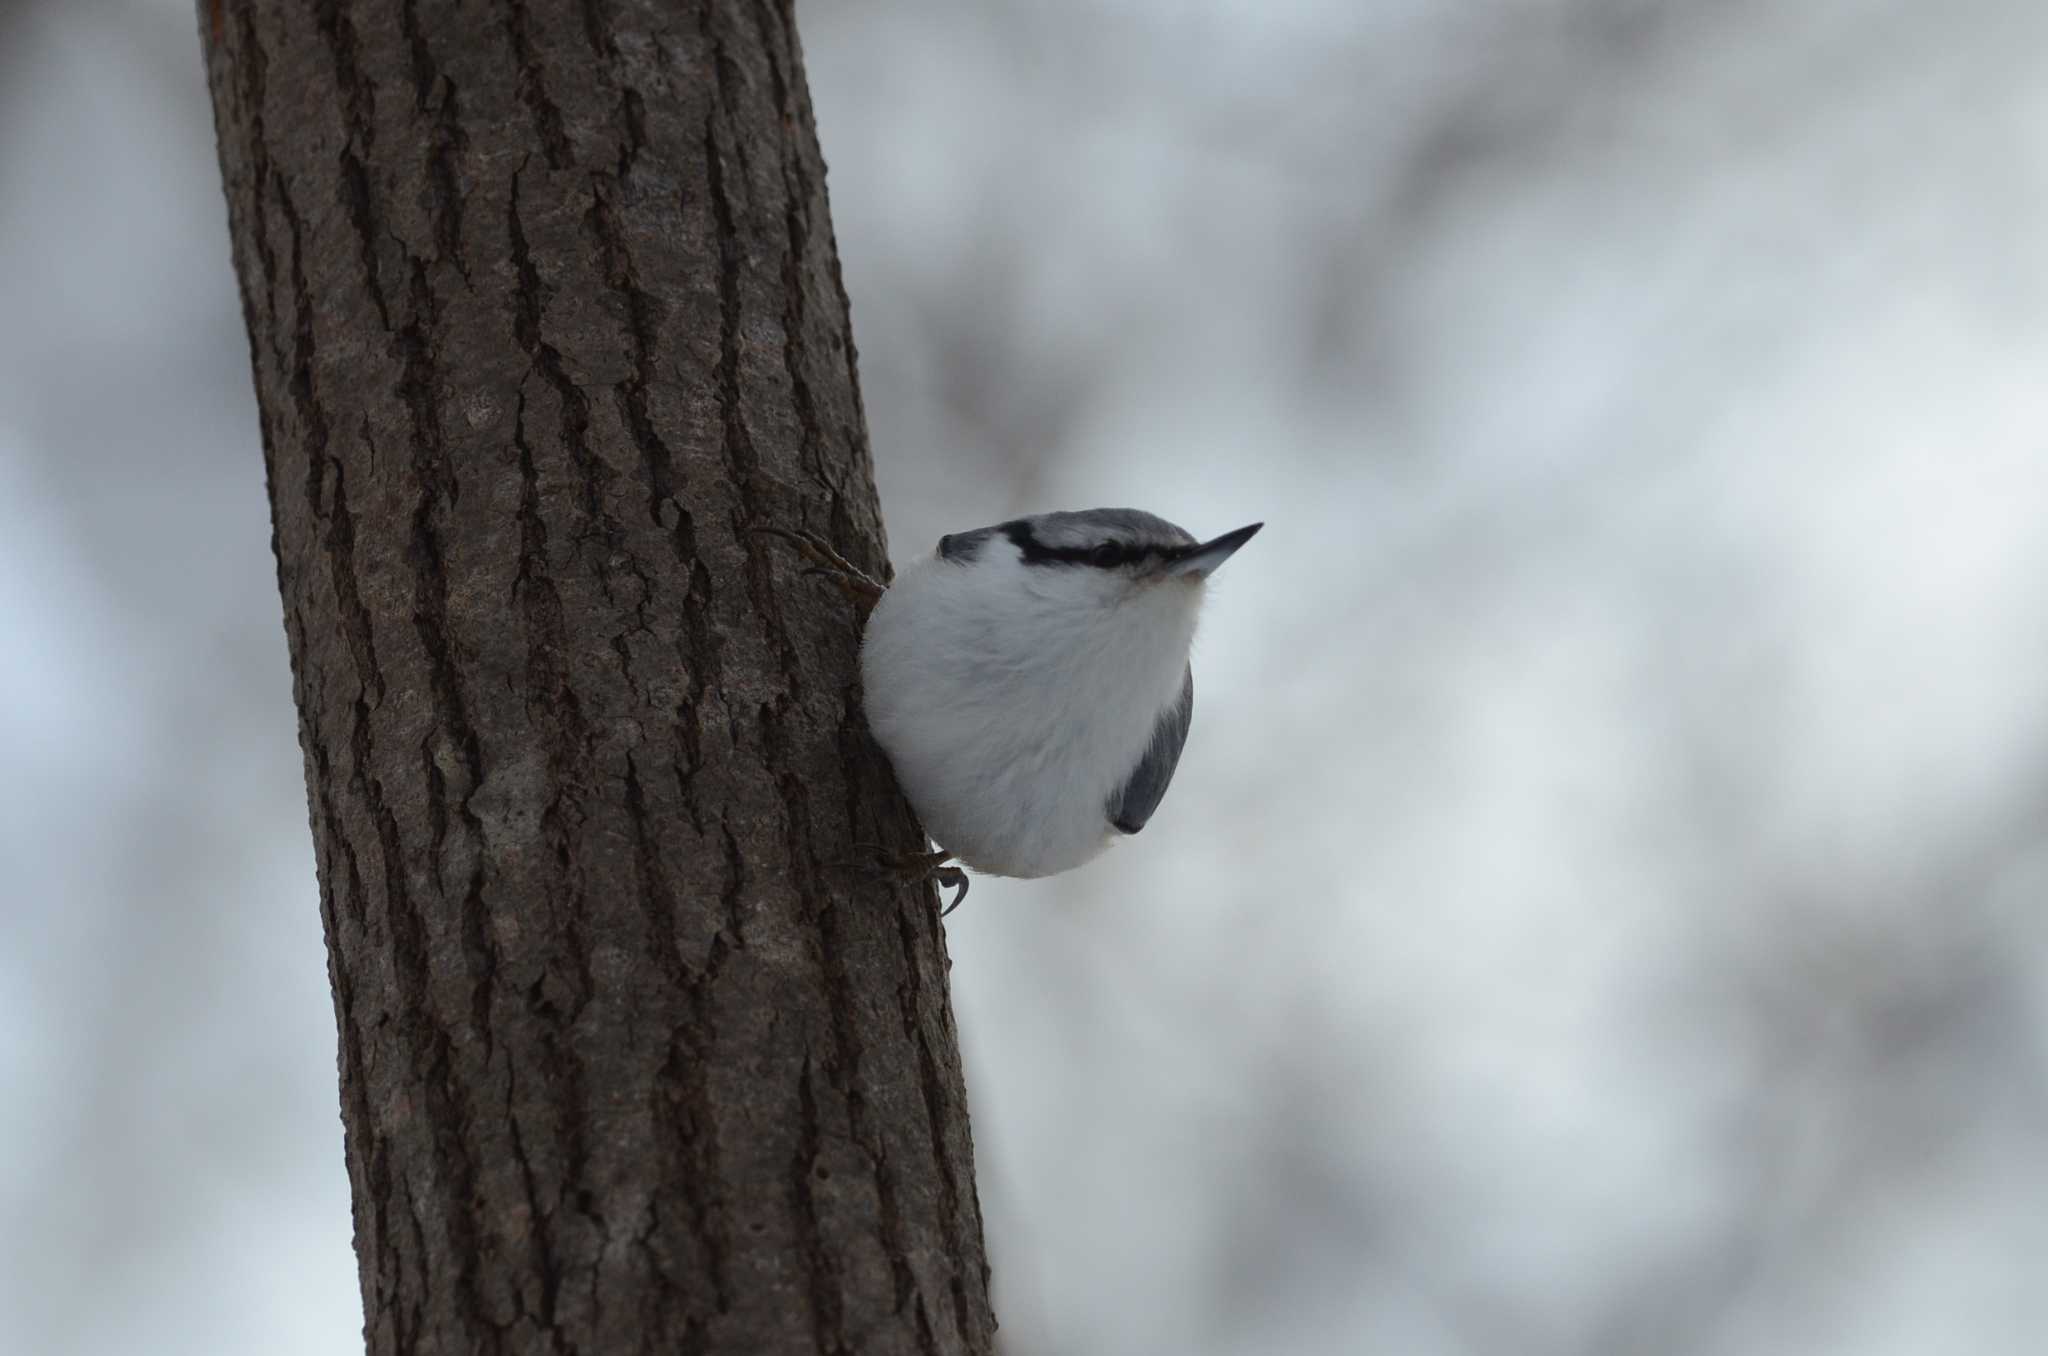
<point x="1134" y="802"/>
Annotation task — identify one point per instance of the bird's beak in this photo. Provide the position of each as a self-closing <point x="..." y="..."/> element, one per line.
<point x="1201" y="561"/>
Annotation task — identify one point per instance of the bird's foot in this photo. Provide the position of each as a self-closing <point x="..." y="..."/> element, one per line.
<point x="915" y="868"/>
<point x="860" y="588"/>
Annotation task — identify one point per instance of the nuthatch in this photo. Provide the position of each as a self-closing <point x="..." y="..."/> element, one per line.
<point x="1030" y="682"/>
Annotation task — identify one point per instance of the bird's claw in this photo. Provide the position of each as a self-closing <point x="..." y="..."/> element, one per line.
<point x="954" y="879"/>
<point x="915" y="868"/>
<point x="859" y="587"/>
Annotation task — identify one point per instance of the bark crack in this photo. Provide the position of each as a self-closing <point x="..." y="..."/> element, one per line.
<point x="435" y="93"/>
<point x="593" y="475"/>
<point x="742" y="458"/>
<point x="533" y="91"/>
<point x="337" y="28"/>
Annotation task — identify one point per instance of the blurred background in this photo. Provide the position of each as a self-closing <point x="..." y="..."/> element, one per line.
<point x="1604" y="904"/>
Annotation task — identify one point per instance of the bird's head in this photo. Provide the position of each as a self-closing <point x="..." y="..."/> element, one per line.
<point x="1106" y="557"/>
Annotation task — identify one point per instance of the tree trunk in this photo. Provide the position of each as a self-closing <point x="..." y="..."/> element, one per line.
<point x="545" y="315"/>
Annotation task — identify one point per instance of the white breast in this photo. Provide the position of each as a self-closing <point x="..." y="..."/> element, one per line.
<point x="1014" y="700"/>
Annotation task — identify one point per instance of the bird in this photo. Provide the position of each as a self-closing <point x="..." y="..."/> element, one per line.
<point x="1030" y="682"/>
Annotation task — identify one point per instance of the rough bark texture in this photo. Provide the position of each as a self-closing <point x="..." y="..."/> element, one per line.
<point x="545" y="313"/>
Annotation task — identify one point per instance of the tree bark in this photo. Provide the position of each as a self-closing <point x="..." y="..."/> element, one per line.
<point x="545" y="315"/>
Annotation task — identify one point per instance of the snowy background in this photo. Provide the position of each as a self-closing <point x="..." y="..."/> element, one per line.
<point x="1604" y="905"/>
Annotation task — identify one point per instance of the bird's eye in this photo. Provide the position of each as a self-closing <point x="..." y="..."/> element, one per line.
<point x="1106" y="556"/>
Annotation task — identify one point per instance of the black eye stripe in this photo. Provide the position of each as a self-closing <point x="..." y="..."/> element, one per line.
<point x="1036" y="552"/>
